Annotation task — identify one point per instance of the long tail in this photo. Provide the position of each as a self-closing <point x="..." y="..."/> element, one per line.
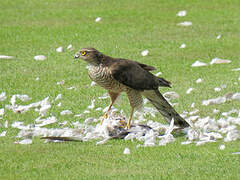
<point x="167" y="111"/>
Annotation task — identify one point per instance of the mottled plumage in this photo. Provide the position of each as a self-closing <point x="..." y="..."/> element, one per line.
<point x="121" y="75"/>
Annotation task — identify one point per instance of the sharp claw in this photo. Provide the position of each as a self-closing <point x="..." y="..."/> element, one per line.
<point x="128" y="126"/>
<point x="105" y="116"/>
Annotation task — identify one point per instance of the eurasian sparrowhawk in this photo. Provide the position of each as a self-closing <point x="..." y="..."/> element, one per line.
<point x="119" y="75"/>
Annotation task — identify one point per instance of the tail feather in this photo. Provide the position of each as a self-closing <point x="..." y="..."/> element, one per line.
<point x="167" y="111"/>
<point x="163" y="82"/>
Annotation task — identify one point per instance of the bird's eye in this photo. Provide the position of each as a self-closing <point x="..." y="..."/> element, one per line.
<point x="83" y="53"/>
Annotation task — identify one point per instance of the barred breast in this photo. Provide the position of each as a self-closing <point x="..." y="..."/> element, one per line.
<point x="103" y="78"/>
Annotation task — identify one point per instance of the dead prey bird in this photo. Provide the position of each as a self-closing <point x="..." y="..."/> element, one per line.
<point x="119" y="75"/>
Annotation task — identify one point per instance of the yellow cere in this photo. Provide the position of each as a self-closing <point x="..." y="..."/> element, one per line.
<point x="83" y="53"/>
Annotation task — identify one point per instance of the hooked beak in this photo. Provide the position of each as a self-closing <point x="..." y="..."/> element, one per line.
<point x="76" y="56"/>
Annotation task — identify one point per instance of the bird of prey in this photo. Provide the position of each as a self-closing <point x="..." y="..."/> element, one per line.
<point x="119" y="75"/>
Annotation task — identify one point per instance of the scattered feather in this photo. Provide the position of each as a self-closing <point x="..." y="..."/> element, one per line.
<point x="62" y="123"/>
<point x="6" y="124"/>
<point x="99" y="109"/>
<point x="198" y="64"/>
<point x="221" y="147"/>
<point x="182" y="13"/>
<point x="105" y="96"/>
<point x="23" y="97"/>
<point x="92" y="104"/>
<point x="236" y="69"/>
<point x="232" y="135"/>
<point x="3" y="96"/>
<point x="199" y="80"/>
<point x="198" y="143"/>
<point x="189" y="90"/>
<point x="192" y="118"/>
<point x="98" y="19"/>
<point x="102" y="141"/>
<point x="65" y="112"/>
<point x="185" y="23"/>
<point x="236" y="96"/>
<point x="105" y="109"/>
<point x="59" y="49"/>
<point x="236" y="153"/>
<point x="215" y="111"/>
<point x="1" y="111"/>
<point x="145" y="52"/>
<point x="223" y="86"/>
<point x="2" y="134"/>
<point x="61" y="82"/>
<point x="78" y="115"/>
<point x="203" y="129"/>
<point x="70" y="47"/>
<point x="47" y="121"/>
<point x="219" y="36"/>
<point x="89" y="120"/>
<point x="20" y="125"/>
<point x="182" y="46"/>
<point x="86" y="112"/>
<point x="24" y="141"/>
<point x="6" y="57"/>
<point x="93" y="83"/>
<point x="195" y="111"/>
<point x="59" y="96"/>
<point x="126" y="151"/>
<point x="186" y="142"/>
<point x="217" y="89"/>
<point x="23" y="108"/>
<point x="145" y="100"/>
<point x="150" y="138"/>
<point x="219" y="61"/>
<point x="171" y="95"/>
<point x="44" y="109"/>
<point x="158" y="74"/>
<point x="219" y="100"/>
<point x="72" y="87"/>
<point x="40" y="58"/>
<point x="167" y="137"/>
<point x="192" y="105"/>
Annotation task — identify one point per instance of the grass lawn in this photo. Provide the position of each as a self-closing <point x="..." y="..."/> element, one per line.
<point x="33" y="27"/>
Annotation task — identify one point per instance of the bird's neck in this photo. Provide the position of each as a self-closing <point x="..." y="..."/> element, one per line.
<point x="96" y="61"/>
<point x="94" y="64"/>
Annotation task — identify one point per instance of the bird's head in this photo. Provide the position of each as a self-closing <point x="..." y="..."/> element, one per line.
<point x="90" y="55"/>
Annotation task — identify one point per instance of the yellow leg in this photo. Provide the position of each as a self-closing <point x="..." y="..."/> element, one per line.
<point x="113" y="97"/>
<point x="106" y="114"/>
<point x="130" y="118"/>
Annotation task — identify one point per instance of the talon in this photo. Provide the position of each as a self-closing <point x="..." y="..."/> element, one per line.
<point x="101" y="122"/>
<point x="105" y="116"/>
<point x="128" y="126"/>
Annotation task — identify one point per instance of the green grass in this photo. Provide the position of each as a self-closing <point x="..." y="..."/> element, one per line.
<point x="31" y="27"/>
